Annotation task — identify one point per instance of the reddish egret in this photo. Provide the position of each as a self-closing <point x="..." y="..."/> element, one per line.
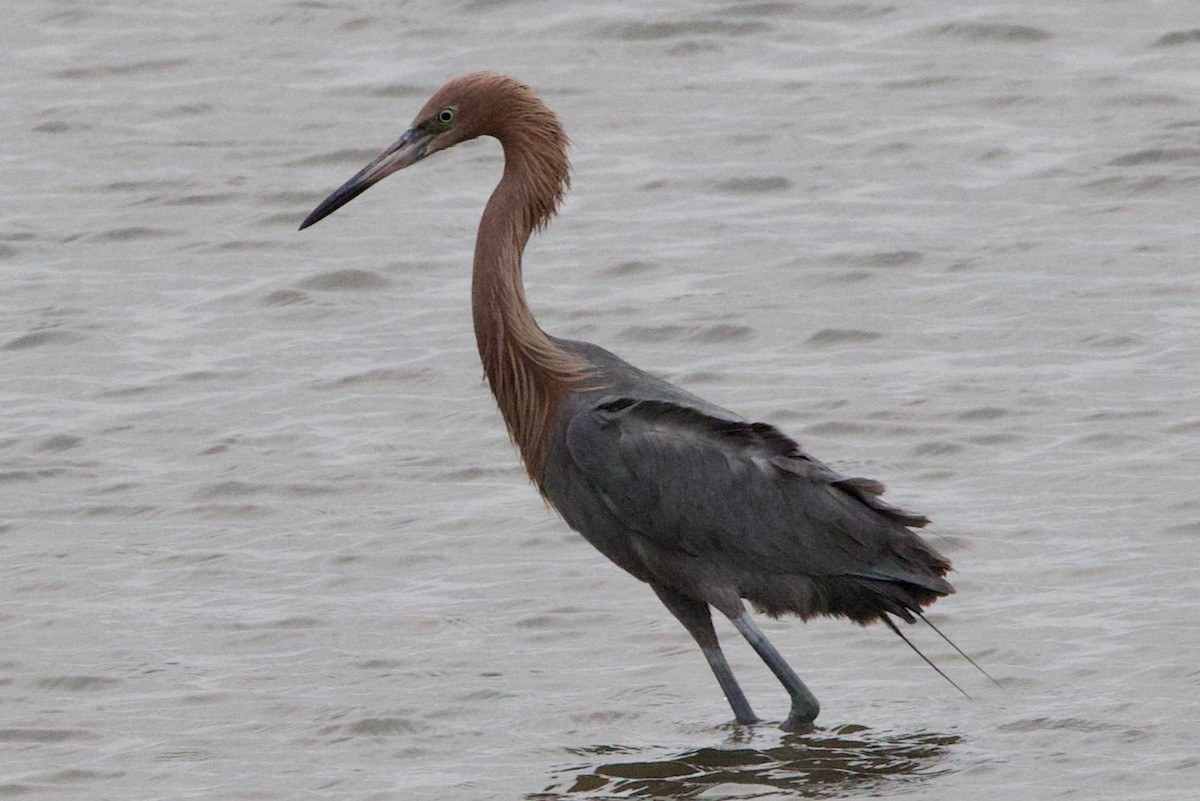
<point x="704" y="506"/>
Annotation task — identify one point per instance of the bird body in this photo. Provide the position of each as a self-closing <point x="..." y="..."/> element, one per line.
<point x="684" y="493"/>
<point x="704" y="506"/>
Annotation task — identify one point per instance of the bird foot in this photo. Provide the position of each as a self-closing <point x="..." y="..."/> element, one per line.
<point x="804" y="712"/>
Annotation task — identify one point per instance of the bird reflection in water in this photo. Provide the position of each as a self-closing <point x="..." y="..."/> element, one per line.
<point x="820" y="763"/>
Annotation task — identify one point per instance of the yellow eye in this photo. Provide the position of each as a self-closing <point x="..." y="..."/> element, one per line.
<point x="445" y="116"/>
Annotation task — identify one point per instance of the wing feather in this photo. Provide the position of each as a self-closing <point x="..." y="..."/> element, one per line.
<point x="742" y="494"/>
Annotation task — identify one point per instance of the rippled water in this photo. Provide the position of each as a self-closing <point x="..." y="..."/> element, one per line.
<point x="262" y="533"/>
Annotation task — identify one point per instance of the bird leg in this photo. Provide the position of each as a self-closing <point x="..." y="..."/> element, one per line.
<point x="696" y="618"/>
<point x="733" y="693"/>
<point x="804" y="704"/>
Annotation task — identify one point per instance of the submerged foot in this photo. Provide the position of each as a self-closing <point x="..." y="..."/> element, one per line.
<point x="804" y="712"/>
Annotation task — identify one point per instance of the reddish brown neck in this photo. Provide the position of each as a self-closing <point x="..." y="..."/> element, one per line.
<point x="528" y="373"/>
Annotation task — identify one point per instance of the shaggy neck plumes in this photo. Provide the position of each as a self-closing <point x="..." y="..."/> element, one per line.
<point x="529" y="374"/>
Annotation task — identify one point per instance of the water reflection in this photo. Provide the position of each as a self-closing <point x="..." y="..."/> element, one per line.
<point x="816" y="764"/>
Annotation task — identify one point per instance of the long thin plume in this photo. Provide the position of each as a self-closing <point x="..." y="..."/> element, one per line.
<point x="961" y="653"/>
<point x="928" y="661"/>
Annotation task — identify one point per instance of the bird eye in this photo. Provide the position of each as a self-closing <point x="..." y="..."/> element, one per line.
<point x="446" y="116"/>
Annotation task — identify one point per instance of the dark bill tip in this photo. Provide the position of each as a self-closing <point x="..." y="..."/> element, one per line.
<point x="408" y="150"/>
<point x="340" y="197"/>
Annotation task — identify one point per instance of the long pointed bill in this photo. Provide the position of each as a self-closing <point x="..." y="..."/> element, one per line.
<point x="408" y="150"/>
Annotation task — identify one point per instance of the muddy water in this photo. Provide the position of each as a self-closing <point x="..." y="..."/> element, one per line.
<point x="262" y="533"/>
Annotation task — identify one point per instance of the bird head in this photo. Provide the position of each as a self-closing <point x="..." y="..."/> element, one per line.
<point x="462" y="109"/>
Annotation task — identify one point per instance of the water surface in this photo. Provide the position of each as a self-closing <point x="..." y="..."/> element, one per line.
<point x="263" y="535"/>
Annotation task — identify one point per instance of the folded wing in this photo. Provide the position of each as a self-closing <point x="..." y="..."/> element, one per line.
<point x="746" y="498"/>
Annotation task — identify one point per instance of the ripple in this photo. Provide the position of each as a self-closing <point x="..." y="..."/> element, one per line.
<point x="810" y="11"/>
<point x="744" y="9"/>
<point x="58" y="126"/>
<point x="185" y="755"/>
<point x="140" y="187"/>
<point x="993" y="32"/>
<point x="400" y="90"/>
<point x="1190" y="530"/>
<point x="882" y="259"/>
<point x="30" y="475"/>
<point x="649" y="31"/>
<point x="117" y="511"/>
<point x="983" y="413"/>
<point x="663" y="30"/>
<point x="131" y="233"/>
<point x="1067" y="724"/>
<point x="1108" y="440"/>
<point x="629" y="268"/>
<point x="244" y="489"/>
<point x="653" y="333"/>
<point x="1143" y="99"/>
<point x="1116" y="341"/>
<point x="35" y="735"/>
<point x="60" y="442"/>
<point x="77" y="683"/>
<point x="1190" y="36"/>
<point x="334" y="157"/>
<point x="842" y="336"/>
<point x="346" y="280"/>
<point x="723" y="332"/>
<point x="230" y="489"/>
<point x="197" y="376"/>
<point x="892" y="258"/>
<point x="1130" y="186"/>
<point x="286" y="297"/>
<point x="937" y="448"/>
<point x="201" y="199"/>
<point x="993" y="440"/>
<point x="1158" y="155"/>
<point x="754" y="185"/>
<point x="76" y="775"/>
<point x="37" y="339"/>
<point x="298" y="622"/>
<point x="381" y="376"/>
<point x="130" y="392"/>
<point x="379" y="664"/>
<point x="837" y="428"/>
<point x="385" y="727"/>
<point x="720" y="332"/>
<point x="114" y="70"/>
<point x="229" y="511"/>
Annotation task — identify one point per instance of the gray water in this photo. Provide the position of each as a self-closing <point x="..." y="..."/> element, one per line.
<point x="262" y="535"/>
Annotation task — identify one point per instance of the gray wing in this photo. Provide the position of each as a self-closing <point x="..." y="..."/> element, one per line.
<point x="743" y="495"/>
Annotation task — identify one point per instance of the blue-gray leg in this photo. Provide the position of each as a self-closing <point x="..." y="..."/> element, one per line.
<point x="733" y="693"/>
<point x="696" y="618"/>
<point x="804" y="704"/>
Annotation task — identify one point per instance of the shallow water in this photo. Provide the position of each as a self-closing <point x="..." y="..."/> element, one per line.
<point x="263" y="535"/>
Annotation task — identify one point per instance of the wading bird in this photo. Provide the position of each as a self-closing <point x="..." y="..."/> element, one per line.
<point x="704" y="506"/>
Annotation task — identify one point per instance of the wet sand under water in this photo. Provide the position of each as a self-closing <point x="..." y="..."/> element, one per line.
<point x="262" y="534"/>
